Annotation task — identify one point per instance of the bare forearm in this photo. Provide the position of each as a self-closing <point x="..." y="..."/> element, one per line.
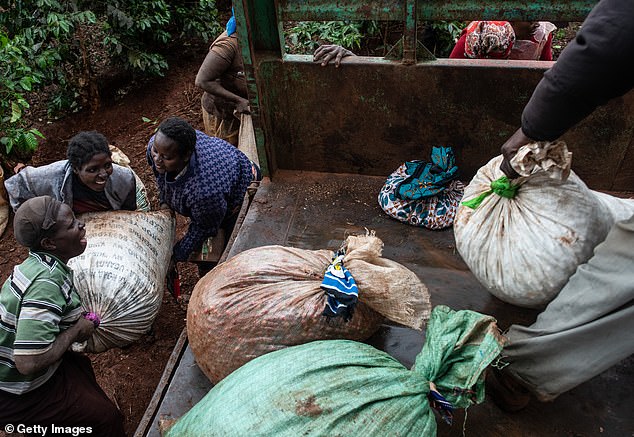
<point x="29" y="364"/>
<point x="213" y="68"/>
<point x="216" y="89"/>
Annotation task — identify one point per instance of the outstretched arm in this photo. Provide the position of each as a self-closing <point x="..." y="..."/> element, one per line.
<point x="591" y="70"/>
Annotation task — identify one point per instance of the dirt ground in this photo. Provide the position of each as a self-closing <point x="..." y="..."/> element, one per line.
<point x="130" y="375"/>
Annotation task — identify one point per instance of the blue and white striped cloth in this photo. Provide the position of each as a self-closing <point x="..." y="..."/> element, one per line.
<point x="341" y="289"/>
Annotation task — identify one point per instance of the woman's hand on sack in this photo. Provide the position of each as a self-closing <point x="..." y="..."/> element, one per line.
<point x="331" y="53"/>
<point x="242" y="107"/>
<point x="509" y="150"/>
<point x="164" y="206"/>
<point x="85" y="329"/>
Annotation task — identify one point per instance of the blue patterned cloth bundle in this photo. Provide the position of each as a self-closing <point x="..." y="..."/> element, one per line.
<point x="341" y="289"/>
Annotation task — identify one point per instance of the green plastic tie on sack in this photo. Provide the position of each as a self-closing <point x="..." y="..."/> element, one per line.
<point x="501" y="186"/>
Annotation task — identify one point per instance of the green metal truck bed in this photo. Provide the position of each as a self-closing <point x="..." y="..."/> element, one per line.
<point x="318" y="210"/>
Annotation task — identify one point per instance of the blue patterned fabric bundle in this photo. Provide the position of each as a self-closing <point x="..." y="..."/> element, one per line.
<point x="341" y="289"/>
<point x="424" y="193"/>
<point x="426" y="179"/>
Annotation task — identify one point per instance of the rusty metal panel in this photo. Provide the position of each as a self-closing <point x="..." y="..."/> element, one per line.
<point x="269" y="72"/>
<point x="513" y="10"/>
<point x="450" y="10"/>
<point x="368" y="117"/>
<point x="328" y="10"/>
<point x="371" y="114"/>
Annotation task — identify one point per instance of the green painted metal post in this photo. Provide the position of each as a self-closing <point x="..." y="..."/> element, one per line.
<point x="257" y="32"/>
<point x="409" y="34"/>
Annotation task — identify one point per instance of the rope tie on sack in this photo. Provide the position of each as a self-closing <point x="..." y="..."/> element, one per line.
<point x="80" y="346"/>
<point x="503" y="187"/>
<point x="440" y="404"/>
<point x="340" y="288"/>
<point x="93" y="317"/>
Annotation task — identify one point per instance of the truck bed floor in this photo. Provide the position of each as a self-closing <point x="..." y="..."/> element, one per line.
<point x="317" y="211"/>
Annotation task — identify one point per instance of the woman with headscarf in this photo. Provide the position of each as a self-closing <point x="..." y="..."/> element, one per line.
<point x="485" y="40"/>
<point x="221" y="77"/>
<point x="529" y="40"/>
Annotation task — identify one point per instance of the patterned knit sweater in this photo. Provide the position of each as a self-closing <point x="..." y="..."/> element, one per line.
<point x="214" y="183"/>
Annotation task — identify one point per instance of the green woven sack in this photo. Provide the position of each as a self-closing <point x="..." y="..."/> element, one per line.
<point x="342" y="387"/>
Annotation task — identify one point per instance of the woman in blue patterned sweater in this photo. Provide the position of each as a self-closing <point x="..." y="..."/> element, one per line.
<point x="200" y="177"/>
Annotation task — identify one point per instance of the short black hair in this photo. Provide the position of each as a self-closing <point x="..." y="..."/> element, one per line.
<point x="83" y="146"/>
<point x="181" y="132"/>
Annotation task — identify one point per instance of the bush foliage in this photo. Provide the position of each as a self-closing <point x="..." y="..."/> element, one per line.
<point x="372" y="38"/>
<point x="58" y="43"/>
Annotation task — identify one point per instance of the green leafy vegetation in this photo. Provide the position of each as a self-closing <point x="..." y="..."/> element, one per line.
<point x="371" y="38"/>
<point x="57" y="46"/>
<point x="443" y="36"/>
<point x="305" y="36"/>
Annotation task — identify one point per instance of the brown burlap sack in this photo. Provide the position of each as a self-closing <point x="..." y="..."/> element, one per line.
<point x="268" y="298"/>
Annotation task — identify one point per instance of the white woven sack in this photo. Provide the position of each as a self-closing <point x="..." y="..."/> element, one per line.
<point x="246" y="138"/>
<point x="616" y="209"/>
<point x="524" y="249"/>
<point x="142" y="200"/>
<point x="120" y="276"/>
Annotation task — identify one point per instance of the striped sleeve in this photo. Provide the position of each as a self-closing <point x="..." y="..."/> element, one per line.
<point x="39" y="320"/>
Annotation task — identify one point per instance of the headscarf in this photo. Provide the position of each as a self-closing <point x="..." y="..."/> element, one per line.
<point x="489" y="39"/>
<point x="33" y="218"/>
<point x="231" y="24"/>
<point x="533" y="48"/>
